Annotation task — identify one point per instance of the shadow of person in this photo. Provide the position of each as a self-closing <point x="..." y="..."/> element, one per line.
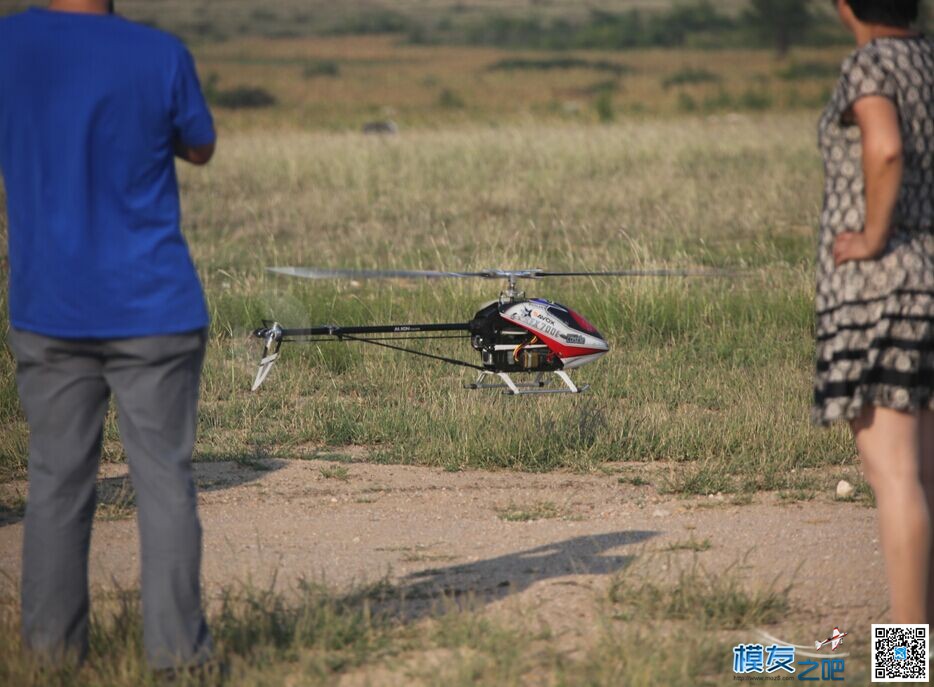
<point x="117" y="500"/>
<point x="422" y="593"/>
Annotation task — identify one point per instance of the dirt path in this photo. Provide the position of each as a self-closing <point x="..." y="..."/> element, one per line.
<point x="426" y="528"/>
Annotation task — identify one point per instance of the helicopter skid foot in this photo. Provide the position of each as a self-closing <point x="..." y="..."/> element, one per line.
<point x="512" y="388"/>
<point x="508" y="382"/>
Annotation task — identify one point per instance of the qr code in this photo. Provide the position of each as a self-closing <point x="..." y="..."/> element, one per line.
<point x="900" y="653"/>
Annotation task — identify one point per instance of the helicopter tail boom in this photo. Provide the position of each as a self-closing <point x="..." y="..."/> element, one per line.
<point x="274" y="335"/>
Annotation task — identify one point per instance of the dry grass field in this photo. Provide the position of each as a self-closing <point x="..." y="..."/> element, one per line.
<point x="342" y="82"/>
<point x="579" y="160"/>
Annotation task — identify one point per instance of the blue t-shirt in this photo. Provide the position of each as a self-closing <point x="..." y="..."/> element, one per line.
<point x="90" y="108"/>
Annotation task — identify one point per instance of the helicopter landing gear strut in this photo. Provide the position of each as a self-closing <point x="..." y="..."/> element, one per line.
<point x="536" y="386"/>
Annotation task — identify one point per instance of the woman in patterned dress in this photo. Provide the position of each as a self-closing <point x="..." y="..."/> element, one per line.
<point x="875" y="282"/>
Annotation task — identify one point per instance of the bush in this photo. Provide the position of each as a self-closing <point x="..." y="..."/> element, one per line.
<point x="321" y="68"/>
<point x="721" y="101"/>
<point x="690" y="76"/>
<point x="384" y="21"/>
<point x="513" y="63"/>
<point x="603" y="29"/>
<point x="697" y="23"/>
<point x="686" y="103"/>
<point x="262" y="14"/>
<point x="601" y="87"/>
<point x="604" y="106"/>
<point x="755" y="100"/>
<point x="242" y="97"/>
<point x="449" y="100"/>
<point x="796" y="100"/>
<point x="797" y="71"/>
<point x="201" y="31"/>
<point x="509" y="31"/>
<point x="780" y="22"/>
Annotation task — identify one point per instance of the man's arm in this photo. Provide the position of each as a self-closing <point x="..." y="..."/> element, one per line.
<point x="196" y="155"/>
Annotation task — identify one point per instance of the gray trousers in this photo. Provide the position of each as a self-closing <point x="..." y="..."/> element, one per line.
<point x="64" y="387"/>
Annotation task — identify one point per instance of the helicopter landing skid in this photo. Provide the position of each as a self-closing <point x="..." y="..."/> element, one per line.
<point x="537" y="386"/>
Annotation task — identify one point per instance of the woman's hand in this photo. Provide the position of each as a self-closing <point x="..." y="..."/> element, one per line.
<point x="877" y="118"/>
<point x="854" y="245"/>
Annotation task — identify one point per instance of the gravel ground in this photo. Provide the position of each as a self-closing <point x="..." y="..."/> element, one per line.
<point x="425" y="529"/>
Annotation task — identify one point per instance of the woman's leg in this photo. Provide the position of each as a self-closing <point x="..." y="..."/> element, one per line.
<point x="927" y="479"/>
<point x="889" y="444"/>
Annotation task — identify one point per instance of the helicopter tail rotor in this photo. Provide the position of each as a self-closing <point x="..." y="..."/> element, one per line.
<point x="272" y="336"/>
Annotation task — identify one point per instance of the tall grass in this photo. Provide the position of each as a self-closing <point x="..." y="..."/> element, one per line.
<point x="256" y="632"/>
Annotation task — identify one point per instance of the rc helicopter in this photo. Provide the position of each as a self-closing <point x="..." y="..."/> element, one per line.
<point x="513" y="334"/>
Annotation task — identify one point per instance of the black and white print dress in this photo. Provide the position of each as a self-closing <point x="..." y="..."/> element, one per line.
<point x="875" y="318"/>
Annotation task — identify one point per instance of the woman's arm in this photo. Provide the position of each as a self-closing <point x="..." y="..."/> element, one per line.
<point x="877" y="118"/>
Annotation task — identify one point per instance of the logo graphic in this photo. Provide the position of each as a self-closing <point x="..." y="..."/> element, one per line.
<point x="834" y="640"/>
<point x="776" y="658"/>
<point x="755" y="658"/>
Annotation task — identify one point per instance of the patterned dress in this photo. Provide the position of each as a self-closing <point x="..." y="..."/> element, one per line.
<point x="875" y="318"/>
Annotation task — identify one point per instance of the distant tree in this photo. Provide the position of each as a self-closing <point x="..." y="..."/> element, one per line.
<point x="779" y="21"/>
<point x="926" y="17"/>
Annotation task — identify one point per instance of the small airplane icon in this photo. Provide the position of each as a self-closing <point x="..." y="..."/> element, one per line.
<point x="833" y="640"/>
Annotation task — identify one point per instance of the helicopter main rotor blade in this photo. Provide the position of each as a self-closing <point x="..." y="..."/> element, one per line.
<point x="317" y="273"/>
<point x="638" y="273"/>
<point x="320" y="273"/>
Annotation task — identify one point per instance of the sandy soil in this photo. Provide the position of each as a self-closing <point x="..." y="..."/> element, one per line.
<point x="426" y="530"/>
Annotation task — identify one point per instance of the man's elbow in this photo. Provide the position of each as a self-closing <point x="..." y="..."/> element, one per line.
<point x="196" y="155"/>
<point x="201" y="155"/>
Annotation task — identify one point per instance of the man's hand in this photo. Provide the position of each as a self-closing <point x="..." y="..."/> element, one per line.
<point x="854" y="245"/>
<point x="196" y="155"/>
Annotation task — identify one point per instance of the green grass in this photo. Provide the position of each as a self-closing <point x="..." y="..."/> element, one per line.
<point x="718" y="600"/>
<point x="338" y="472"/>
<point x="690" y="76"/>
<point x="692" y="544"/>
<point x="316" y="68"/>
<point x="796" y="71"/>
<point x="540" y="510"/>
<point x="311" y="635"/>
<point x="257" y="632"/>
<point x="795" y="495"/>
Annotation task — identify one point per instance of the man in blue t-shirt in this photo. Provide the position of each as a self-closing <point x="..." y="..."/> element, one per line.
<point x="104" y="297"/>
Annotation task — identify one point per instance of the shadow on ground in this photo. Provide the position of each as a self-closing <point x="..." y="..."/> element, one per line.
<point x="116" y="499"/>
<point x="429" y="591"/>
